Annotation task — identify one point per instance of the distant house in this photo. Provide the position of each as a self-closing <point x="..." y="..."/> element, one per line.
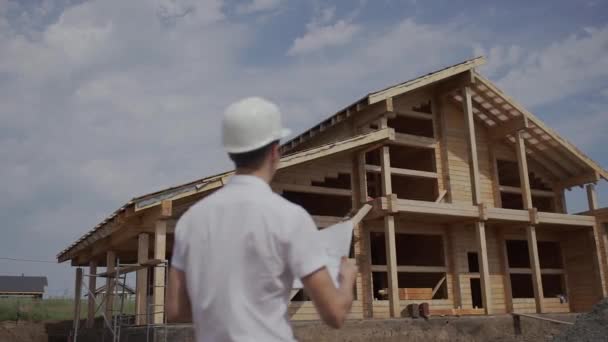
<point x="128" y="291"/>
<point x="22" y="286"/>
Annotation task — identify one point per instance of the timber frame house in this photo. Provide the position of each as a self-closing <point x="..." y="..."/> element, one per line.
<point x="469" y="212"/>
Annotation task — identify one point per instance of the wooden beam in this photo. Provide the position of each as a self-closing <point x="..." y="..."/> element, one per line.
<point x="592" y="197"/>
<point x="510" y="127"/>
<point x="311" y="189"/>
<point x="533" y="192"/>
<point x="467" y="109"/>
<point x="362" y="183"/>
<point x="326" y="150"/>
<point x="389" y="236"/>
<point x="91" y="298"/>
<point x="537" y="283"/>
<point x="141" y="285"/>
<point x="441" y="196"/>
<point x="414" y="114"/>
<point x="565" y="144"/>
<point x="484" y="270"/>
<point x="404" y="139"/>
<point x="412" y="269"/>
<point x="366" y="208"/>
<point x="110" y="281"/>
<point x="592" y="177"/>
<point x="436" y="288"/>
<point x="522" y="164"/>
<point x="403" y="172"/>
<point x="77" y="299"/>
<point x="372" y="112"/>
<point x="158" y="292"/>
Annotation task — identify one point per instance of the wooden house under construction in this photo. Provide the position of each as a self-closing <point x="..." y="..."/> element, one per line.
<point x="469" y="212"/>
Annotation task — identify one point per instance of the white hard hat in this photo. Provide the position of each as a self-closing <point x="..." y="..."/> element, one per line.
<point x="251" y="123"/>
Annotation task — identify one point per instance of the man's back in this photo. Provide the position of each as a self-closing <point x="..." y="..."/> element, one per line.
<point x="241" y="249"/>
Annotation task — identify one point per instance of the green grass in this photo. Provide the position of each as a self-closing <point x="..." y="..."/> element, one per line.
<point x="12" y="309"/>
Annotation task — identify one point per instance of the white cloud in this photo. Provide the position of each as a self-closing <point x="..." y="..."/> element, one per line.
<point x="564" y="68"/>
<point x="318" y="38"/>
<point x="321" y="33"/>
<point x="259" y="6"/>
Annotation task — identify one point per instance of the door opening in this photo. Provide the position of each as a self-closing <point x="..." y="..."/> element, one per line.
<point x="476" y="293"/>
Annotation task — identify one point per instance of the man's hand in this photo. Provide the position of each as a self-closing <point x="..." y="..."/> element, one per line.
<point x="178" y="302"/>
<point x="348" y="271"/>
<point x="333" y="304"/>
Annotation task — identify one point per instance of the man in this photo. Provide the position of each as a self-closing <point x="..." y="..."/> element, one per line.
<point x="237" y="251"/>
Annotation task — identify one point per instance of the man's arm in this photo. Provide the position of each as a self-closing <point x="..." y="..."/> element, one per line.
<point x="178" y="305"/>
<point x="333" y="304"/>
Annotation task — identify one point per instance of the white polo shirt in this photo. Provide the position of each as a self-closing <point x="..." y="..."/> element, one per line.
<point x="241" y="248"/>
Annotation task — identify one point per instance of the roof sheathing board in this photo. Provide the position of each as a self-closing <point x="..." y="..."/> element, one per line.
<point x="209" y="183"/>
<point x="546" y="131"/>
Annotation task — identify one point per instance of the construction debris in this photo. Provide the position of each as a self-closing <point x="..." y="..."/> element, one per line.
<point x="591" y="326"/>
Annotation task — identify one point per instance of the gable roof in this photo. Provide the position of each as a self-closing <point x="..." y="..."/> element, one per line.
<point x="22" y="284"/>
<point x="377" y="96"/>
<point x="490" y="106"/>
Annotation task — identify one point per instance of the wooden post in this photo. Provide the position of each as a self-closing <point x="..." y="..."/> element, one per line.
<point x="526" y="196"/>
<point x="484" y="270"/>
<point x="453" y="257"/>
<point x="92" y="288"/>
<point x="141" y="290"/>
<point x="522" y="162"/>
<point x="505" y="269"/>
<point x="77" y="297"/>
<point x="110" y="282"/>
<point x="537" y="283"/>
<point x="160" y="245"/>
<point x="362" y="253"/>
<point x="467" y="109"/>
<point x="389" y="234"/>
<point x="598" y="263"/>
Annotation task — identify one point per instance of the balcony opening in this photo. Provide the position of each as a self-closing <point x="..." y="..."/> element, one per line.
<point x="412" y="249"/>
<point x="422" y="125"/>
<point x="549" y="254"/>
<point x="517" y="254"/>
<point x="521" y="285"/>
<point x="405" y="157"/>
<point x="412" y="285"/>
<point x="412" y="188"/>
<point x="340" y="182"/>
<point x="320" y="204"/>
<point x="553" y="286"/>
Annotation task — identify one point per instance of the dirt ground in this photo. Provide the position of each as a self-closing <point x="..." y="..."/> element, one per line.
<point x="22" y="332"/>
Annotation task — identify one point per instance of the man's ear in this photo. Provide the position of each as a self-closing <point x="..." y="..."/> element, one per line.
<point x="276" y="152"/>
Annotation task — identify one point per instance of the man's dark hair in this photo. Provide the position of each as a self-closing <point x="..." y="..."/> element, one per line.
<point x="252" y="159"/>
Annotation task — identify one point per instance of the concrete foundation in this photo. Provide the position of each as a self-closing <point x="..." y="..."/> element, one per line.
<point x="466" y="329"/>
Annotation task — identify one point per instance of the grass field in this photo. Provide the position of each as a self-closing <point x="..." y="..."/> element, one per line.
<point x="12" y="309"/>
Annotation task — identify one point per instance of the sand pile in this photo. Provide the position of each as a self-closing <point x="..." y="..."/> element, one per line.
<point x="591" y="326"/>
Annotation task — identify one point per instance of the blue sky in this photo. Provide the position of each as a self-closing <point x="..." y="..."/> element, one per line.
<point x="105" y="100"/>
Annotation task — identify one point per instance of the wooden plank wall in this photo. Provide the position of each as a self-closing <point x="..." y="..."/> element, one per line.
<point x="304" y="311"/>
<point x="579" y="268"/>
<point x="464" y="242"/>
<point x="458" y="158"/>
